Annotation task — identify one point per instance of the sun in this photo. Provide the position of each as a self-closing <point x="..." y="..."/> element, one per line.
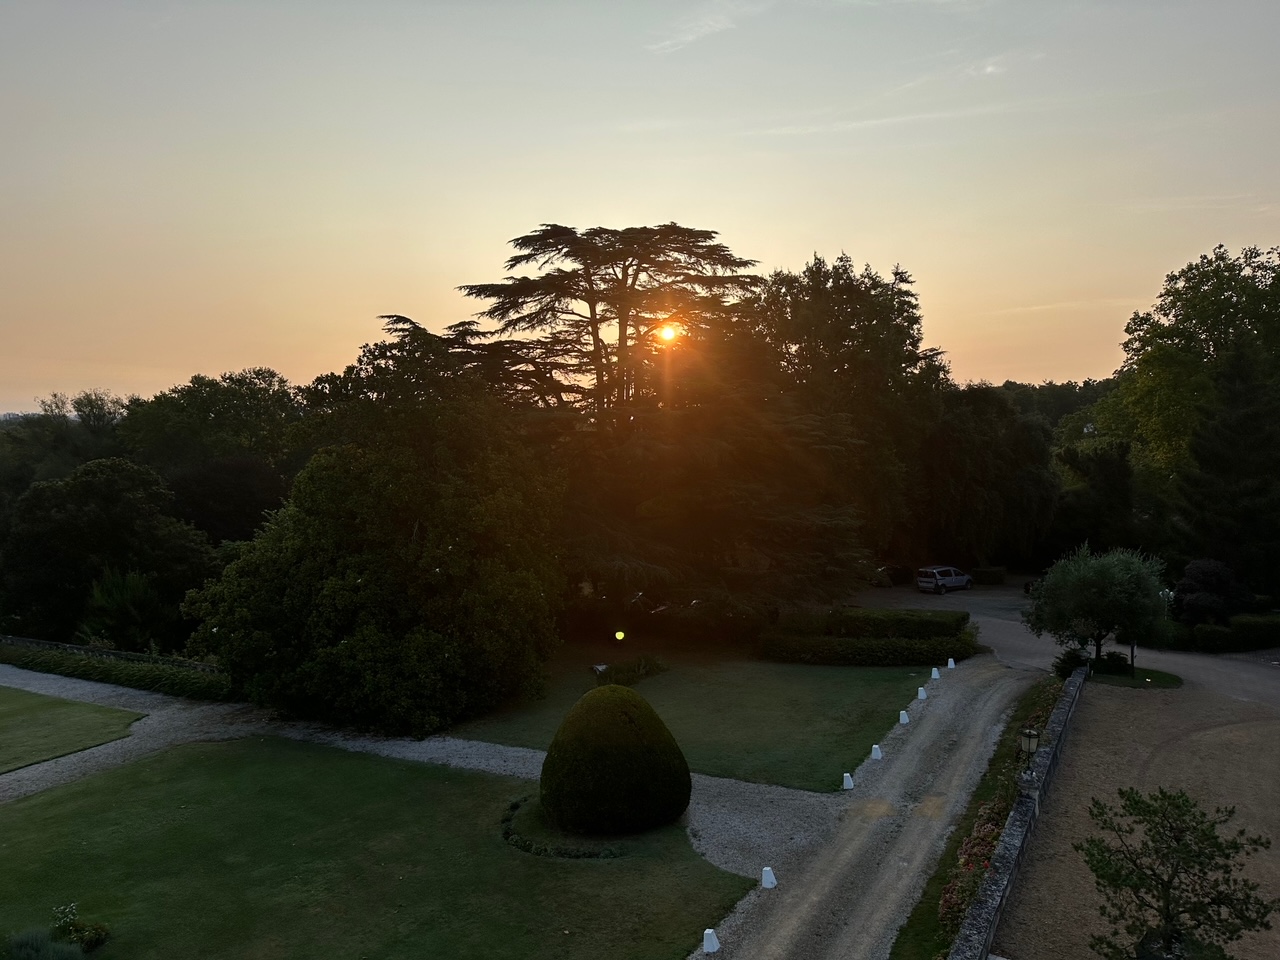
<point x="667" y="333"/>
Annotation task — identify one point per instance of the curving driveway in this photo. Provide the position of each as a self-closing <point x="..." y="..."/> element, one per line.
<point x="1254" y="677"/>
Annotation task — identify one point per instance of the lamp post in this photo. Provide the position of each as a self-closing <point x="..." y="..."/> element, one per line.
<point x="1030" y="743"/>
<point x="1027" y="784"/>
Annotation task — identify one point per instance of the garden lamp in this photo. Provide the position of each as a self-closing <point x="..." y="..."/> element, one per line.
<point x="1030" y="743"/>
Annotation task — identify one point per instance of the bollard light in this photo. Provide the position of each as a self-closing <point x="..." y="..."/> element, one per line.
<point x="619" y="635"/>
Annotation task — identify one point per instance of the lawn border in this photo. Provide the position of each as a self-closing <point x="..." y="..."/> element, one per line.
<point x="978" y="930"/>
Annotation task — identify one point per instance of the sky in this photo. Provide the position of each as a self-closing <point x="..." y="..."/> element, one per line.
<point x="196" y="187"/>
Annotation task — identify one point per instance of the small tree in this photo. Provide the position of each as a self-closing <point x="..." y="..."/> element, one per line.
<point x="1086" y="598"/>
<point x="1174" y="886"/>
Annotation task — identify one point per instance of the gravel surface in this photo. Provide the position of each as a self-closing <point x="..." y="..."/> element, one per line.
<point x="847" y="883"/>
<point x="850" y="864"/>
<point x="1224" y="752"/>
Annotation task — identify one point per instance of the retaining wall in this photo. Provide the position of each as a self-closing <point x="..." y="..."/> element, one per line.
<point x="979" y="926"/>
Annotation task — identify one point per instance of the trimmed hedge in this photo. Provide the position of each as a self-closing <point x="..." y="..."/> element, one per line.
<point x="163" y="678"/>
<point x="856" y="622"/>
<point x="869" y="651"/>
<point x="613" y="767"/>
<point x="1246" y="632"/>
<point x="1252" y="631"/>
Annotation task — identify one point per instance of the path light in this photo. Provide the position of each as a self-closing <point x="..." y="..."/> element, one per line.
<point x="1030" y="743"/>
<point x="848" y="782"/>
<point x="951" y="663"/>
<point x="767" y="879"/>
<point x="710" y="942"/>
<point x="876" y="754"/>
<point x="921" y="693"/>
<point x="619" y="635"/>
<point x="935" y="675"/>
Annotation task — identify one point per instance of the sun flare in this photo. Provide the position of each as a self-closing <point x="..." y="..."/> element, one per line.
<point x="667" y="333"/>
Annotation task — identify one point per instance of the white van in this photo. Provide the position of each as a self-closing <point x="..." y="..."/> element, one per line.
<point x="942" y="579"/>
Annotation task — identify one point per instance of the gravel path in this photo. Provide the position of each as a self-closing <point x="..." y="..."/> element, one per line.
<point x="847" y="885"/>
<point x="850" y="865"/>
<point x="1223" y="752"/>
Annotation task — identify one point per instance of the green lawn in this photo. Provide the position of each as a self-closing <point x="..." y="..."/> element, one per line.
<point x="788" y="724"/>
<point x="266" y="849"/>
<point x="35" y="727"/>
<point x="1142" y="679"/>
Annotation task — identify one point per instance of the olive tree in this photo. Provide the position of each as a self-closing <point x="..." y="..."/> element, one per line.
<point x="1087" y="598"/>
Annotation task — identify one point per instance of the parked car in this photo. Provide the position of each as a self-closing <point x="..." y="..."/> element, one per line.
<point x="942" y="579"/>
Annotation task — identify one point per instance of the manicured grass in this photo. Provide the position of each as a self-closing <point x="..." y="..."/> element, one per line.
<point x="35" y="727"/>
<point x="792" y="725"/>
<point x="268" y="849"/>
<point x="923" y="937"/>
<point x="1142" y="679"/>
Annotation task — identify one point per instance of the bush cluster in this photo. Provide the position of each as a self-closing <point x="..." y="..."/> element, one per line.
<point x="1242" y="633"/>
<point x="855" y="622"/>
<point x="869" y="651"/>
<point x="1069" y="661"/>
<point x="173" y="679"/>
<point x="613" y="767"/>
<point x="1113" y="663"/>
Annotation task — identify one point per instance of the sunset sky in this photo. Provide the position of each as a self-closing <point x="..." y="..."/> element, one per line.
<point x="204" y="186"/>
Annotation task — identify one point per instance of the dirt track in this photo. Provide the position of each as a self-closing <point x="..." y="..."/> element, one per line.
<point x="848" y="901"/>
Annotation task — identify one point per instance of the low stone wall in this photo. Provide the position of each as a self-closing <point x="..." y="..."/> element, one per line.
<point x="108" y="654"/>
<point x="979" y="926"/>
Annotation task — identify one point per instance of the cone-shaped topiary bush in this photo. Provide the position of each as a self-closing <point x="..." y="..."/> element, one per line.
<point x="614" y="767"/>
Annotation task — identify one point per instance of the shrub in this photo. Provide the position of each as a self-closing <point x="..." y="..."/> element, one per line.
<point x="1250" y="631"/>
<point x="1211" y="638"/>
<point x="903" y="624"/>
<point x="40" y="945"/>
<point x="630" y="672"/>
<point x="1114" y="663"/>
<point x="1069" y="661"/>
<point x="1168" y="635"/>
<point x="869" y="651"/>
<point x="989" y="576"/>
<point x="1208" y="593"/>
<point x="613" y="767"/>
<point x="68" y="926"/>
<point x="174" y="680"/>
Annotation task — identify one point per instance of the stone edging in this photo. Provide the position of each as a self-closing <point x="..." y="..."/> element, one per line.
<point x="978" y="929"/>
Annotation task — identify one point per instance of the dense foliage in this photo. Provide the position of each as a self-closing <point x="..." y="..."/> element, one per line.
<point x="613" y="767"/>
<point x="640" y="434"/>
<point x="1088" y="598"/>
<point x="410" y="580"/>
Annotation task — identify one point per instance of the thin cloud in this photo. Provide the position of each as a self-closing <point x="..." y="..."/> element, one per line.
<point x="715" y="16"/>
<point x="867" y="123"/>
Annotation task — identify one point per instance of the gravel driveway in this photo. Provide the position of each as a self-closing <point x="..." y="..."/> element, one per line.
<point x="850" y="864"/>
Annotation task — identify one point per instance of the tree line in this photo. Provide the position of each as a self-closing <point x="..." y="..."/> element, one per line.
<point x="631" y="411"/>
